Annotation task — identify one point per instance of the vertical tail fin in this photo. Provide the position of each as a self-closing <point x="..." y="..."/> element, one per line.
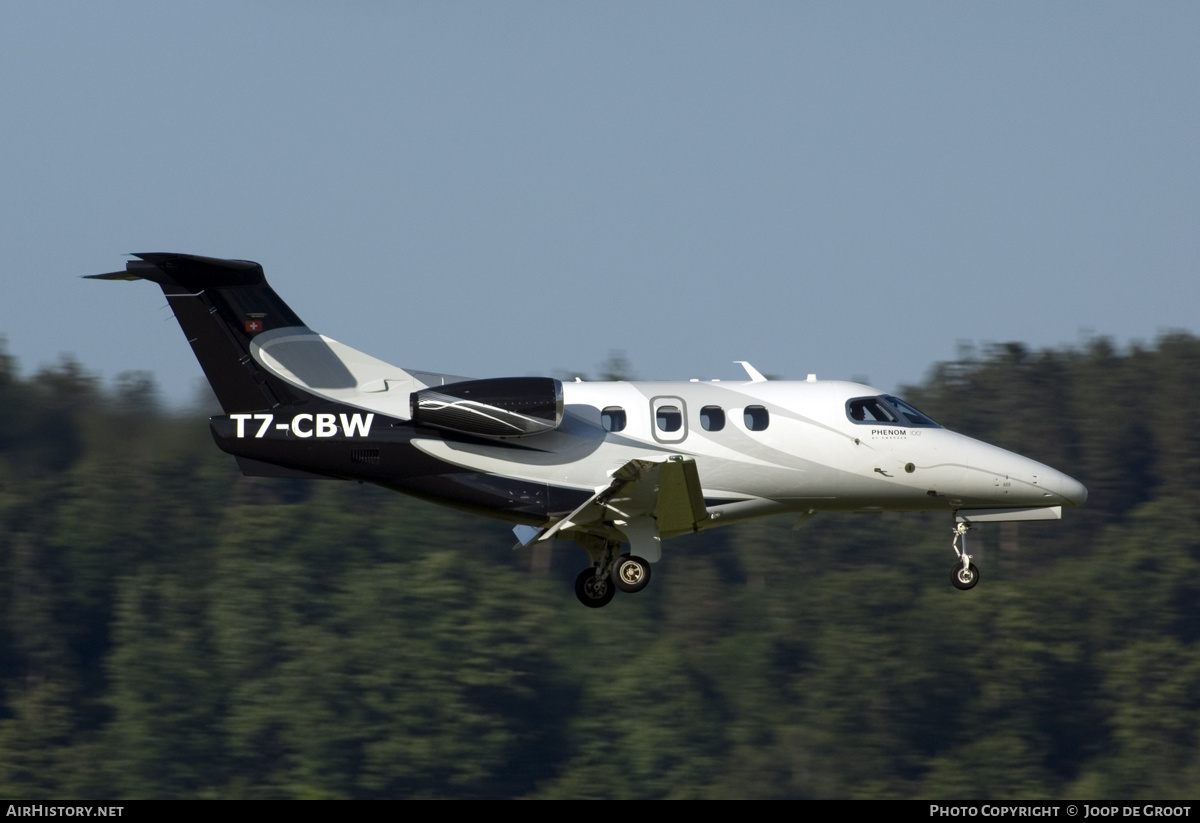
<point x="222" y="305"/>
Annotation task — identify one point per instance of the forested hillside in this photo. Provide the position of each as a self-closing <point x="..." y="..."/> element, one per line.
<point x="171" y="629"/>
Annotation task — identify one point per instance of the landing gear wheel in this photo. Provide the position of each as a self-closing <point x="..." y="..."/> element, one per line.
<point x="630" y="573"/>
<point x="594" y="591"/>
<point x="965" y="574"/>
<point x="964" y="578"/>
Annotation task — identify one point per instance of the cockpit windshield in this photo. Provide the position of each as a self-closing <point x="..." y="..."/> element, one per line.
<point x="888" y="410"/>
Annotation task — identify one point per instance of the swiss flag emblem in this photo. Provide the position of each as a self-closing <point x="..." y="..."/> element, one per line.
<point x="253" y="325"/>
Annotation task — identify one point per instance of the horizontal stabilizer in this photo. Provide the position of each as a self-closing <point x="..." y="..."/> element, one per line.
<point x="190" y="271"/>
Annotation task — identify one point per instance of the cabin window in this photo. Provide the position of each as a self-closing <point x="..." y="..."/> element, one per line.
<point x="668" y="418"/>
<point x="756" y="418"/>
<point x="613" y="419"/>
<point x="712" y="418"/>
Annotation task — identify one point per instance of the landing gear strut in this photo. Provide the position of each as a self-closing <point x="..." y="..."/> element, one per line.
<point x="964" y="574"/>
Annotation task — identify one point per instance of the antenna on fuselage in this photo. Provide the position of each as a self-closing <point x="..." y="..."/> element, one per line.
<point x="755" y="374"/>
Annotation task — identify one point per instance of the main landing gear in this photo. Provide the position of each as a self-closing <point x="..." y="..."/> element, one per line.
<point x="965" y="574"/>
<point x="594" y="589"/>
<point x="598" y="584"/>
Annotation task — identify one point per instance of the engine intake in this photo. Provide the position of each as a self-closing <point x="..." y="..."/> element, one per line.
<point x="499" y="407"/>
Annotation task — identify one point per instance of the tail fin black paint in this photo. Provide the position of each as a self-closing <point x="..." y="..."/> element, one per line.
<point x="221" y="305"/>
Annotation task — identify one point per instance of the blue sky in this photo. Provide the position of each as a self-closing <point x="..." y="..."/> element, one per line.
<point x="502" y="189"/>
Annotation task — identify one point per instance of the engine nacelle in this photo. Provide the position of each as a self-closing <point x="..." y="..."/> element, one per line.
<point x="498" y="407"/>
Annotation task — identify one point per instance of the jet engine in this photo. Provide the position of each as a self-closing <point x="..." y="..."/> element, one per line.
<point x="500" y="407"/>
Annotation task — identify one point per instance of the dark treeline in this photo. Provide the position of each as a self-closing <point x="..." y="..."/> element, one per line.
<point x="171" y="629"/>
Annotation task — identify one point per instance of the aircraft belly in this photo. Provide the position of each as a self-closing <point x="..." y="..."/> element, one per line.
<point x="397" y="465"/>
<point x="377" y="459"/>
<point x="505" y="498"/>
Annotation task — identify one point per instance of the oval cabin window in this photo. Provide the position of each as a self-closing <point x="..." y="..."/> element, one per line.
<point x="613" y="419"/>
<point x="712" y="418"/>
<point x="668" y="418"/>
<point x="757" y="418"/>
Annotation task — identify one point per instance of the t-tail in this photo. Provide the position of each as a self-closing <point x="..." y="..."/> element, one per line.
<point x="222" y="306"/>
<point x="278" y="382"/>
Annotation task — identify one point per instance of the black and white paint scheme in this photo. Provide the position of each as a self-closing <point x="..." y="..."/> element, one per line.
<point x="618" y="467"/>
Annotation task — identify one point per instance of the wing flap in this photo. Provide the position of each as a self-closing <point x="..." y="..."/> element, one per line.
<point x="667" y="490"/>
<point x="680" y="505"/>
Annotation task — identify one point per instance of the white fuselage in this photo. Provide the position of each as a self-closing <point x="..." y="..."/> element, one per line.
<point x="797" y="450"/>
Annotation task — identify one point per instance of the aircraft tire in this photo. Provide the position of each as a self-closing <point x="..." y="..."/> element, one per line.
<point x="630" y="573"/>
<point x="593" y="591"/>
<point x="964" y="580"/>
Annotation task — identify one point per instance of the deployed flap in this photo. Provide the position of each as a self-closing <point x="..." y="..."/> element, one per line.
<point x="668" y="491"/>
<point x="680" y="504"/>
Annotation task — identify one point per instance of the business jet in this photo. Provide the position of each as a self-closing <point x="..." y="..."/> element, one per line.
<point x="606" y="464"/>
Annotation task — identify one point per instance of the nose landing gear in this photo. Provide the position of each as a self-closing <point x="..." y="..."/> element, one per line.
<point x="964" y="574"/>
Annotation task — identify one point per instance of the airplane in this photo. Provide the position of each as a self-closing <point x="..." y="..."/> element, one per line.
<point x="606" y="464"/>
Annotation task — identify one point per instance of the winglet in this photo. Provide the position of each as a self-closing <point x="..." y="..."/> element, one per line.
<point x="526" y="535"/>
